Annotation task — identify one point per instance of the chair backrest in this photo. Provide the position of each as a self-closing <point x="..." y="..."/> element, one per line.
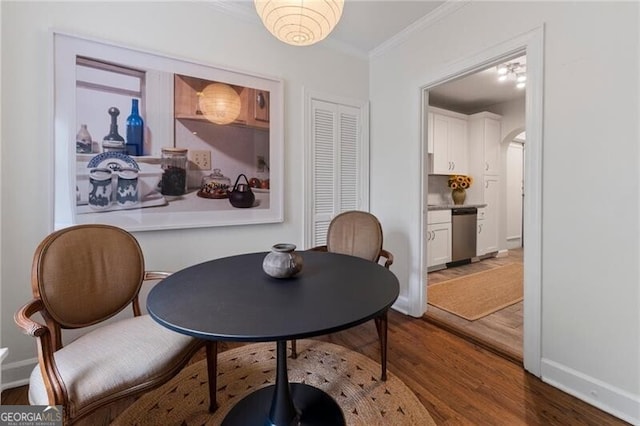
<point x="355" y="233"/>
<point x="87" y="273"/>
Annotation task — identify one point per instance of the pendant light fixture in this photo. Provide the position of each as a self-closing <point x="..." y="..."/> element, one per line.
<point x="220" y="103"/>
<point x="299" y="22"/>
<point x="513" y="71"/>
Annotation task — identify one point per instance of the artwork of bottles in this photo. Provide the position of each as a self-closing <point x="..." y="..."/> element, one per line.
<point x="135" y="131"/>
<point x="83" y="140"/>
<point x="113" y="142"/>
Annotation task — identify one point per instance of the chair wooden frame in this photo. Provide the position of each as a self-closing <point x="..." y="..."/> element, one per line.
<point x="49" y="340"/>
<point x="381" y="320"/>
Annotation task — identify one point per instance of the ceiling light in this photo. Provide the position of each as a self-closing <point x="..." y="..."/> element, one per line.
<point x="220" y="103"/>
<point x="299" y="22"/>
<point x="514" y="71"/>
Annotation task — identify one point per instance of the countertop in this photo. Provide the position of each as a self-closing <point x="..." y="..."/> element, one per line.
<point x="452" y="206"/>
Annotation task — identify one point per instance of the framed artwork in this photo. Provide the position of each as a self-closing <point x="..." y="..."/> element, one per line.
<point x="145" y="141"/>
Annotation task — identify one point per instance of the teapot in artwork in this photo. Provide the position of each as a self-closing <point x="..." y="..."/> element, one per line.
<point x="241" y="195"/>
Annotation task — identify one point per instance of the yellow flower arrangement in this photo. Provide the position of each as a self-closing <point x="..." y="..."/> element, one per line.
<point x="460" y="182"/>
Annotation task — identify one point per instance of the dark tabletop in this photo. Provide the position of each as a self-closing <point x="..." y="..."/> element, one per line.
<point x="233" y="299"/>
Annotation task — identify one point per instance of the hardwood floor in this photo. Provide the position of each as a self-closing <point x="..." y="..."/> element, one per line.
<point x="459" y="382"/>
<point x="501" y="331"/>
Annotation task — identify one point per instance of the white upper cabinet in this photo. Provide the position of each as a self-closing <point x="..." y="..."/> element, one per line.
<point x="448" y="142"/>
<point x="484" y="143"/>
<point x="458" y="147"/>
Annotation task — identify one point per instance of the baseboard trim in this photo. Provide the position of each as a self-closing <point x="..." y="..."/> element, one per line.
<point x="401" y="305"/>
<point x="502" y="253"/>
<point x="614" y="401"/>
<point x="17" y="373"/>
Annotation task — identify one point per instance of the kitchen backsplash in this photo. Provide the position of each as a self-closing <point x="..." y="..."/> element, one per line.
<point x="439" y="192"/>
<point x="234" y="149"/>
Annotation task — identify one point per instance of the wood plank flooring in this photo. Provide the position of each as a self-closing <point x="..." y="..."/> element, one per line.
<point x="459" y="382"/>
<point x="501" y="331"/>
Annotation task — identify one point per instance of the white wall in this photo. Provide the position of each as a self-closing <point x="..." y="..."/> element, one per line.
<point x="193" y="30"/>
<point x="3" y="351"/>
<point x="590" y="301"/>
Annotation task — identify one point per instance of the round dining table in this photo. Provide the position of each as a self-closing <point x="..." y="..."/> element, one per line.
<point x="233" y="299"/>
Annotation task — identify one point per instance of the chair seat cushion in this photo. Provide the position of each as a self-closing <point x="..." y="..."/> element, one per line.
<point x="114" y="360"/>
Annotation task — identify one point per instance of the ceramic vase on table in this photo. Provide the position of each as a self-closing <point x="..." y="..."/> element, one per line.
<point x="282" y="261"/>
<point x="458" y="195"/>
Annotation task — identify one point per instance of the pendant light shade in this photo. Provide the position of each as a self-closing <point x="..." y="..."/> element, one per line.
<point x="220" y="103"/>
<point x="300" y="22"/>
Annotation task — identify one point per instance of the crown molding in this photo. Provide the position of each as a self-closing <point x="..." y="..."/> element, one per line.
<point x="236" y="10"/>
<point x="441" y="12"/>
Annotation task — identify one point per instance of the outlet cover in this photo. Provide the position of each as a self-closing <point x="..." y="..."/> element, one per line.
<point x="202" y="159"/>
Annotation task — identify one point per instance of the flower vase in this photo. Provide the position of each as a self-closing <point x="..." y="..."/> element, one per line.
<point x="458" y="195"/>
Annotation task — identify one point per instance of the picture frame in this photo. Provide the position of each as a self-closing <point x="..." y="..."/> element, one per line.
<point x="172" y="90"/>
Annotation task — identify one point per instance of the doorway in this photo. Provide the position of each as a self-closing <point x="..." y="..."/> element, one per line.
<point x="531" y="44"/>
<point x="491" y="104"/>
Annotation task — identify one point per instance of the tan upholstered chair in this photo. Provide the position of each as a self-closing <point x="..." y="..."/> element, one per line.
<point x="82" y="276"/>
<point x="359" y="233"/>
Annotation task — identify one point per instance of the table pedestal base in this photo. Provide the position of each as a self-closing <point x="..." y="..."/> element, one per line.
<point x="314" y="406"/>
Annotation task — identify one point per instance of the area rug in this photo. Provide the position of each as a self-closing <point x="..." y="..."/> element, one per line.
<point x="477" y="295"/>
<point x="352" y="379"/>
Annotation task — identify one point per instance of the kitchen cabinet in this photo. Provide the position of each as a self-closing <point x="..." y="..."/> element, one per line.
<point x="488" y="218"/>
<point x="254" y="110"/>
<point x="484" y="143"/>
<point x="480" y="243"/>
<point x="438" y="238"/>
<point x="258" y="105"/>
<point x="449" y="142"/>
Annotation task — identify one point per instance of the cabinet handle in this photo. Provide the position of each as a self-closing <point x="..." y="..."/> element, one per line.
<point x="454" y="165"/>
<point x="486" y="166"/>
<point x="486" y="184"/>
<point x="434" y="235"/>
<point x="480" y="229"/>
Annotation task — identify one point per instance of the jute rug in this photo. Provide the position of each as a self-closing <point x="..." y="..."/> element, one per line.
<point x="352" y="379"/>
<point x="478" y="295"/>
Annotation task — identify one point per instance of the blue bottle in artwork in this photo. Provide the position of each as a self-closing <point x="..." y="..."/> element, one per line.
<point x="135" y="131"/>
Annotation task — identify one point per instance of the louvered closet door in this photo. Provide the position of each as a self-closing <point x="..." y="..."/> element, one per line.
<point x="336" y="175"/>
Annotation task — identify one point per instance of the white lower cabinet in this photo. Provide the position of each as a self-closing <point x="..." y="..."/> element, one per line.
<point x="480" y="243"/>
<point x="438" y="238"/>
<point x="487" y="241"/>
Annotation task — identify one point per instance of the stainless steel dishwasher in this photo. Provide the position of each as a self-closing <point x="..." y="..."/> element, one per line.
<point x="463" y="234"/>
